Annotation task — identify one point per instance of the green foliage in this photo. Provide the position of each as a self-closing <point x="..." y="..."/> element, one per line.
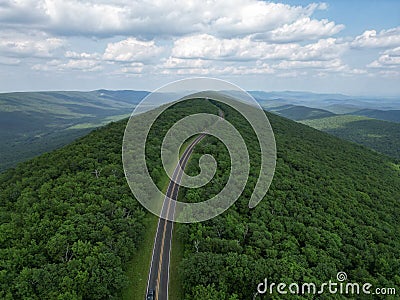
<point x="69" y="224"/>
<point x="332" y="206"/>
<point x="385" y="115"/>
<point x="382" y="136"/>
<point x="66" y="229"/>
<point x="159" y="129"/>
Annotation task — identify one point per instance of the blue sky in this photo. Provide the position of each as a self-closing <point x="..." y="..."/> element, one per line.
<point x="360" y="15"/>
<point x="350" y="47"/>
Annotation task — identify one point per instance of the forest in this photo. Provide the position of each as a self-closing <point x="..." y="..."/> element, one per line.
<point x="332" y="206"/>
<point x="382" y="136"/>
<point x="69" y="223"/>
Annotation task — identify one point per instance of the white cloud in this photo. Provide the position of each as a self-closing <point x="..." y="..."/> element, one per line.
<point x="21" y="12"/>
<point x="292" y="74"/>
<point x="28" y="45"/>
<point x="84" y="65"/>
<point x="302" y="29"/>
<point x="389" y="59"/>
<point x="132" y="50"/>
<point x="335" y="65"/>
<point x="222" y="69"/>
<point x="178" y="63"/>
<point x="48" y="66"/>
<point x="212" y="37"/>
<point x="153" y="18"/>
<point x="390" y="73"/>
<point x="209" y="47"/>
<point x="133" y="68"/>
<point x="324" y="49"/>
<point x="82" y="55"/>
<point x="383" y="39"/>
<point x="255" y="16"/>
<point x="320" y="64"/>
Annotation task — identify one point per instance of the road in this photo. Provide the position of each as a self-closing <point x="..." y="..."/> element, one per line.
<point x="159" y="269"/>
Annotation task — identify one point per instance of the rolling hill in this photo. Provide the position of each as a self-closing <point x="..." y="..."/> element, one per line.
<point x="68" y="232"/>
<point x="33" y="123"/>
<point x="382" y="136"/>
<point x="385" y="115"/>
<point x="335" y="103"/>
<point x="297" y="112"/>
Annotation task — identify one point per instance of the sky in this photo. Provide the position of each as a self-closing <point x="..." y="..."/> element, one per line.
<point x="349" y="47"/>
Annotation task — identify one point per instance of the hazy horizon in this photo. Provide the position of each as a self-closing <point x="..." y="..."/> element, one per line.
<point x="367" y="96"/>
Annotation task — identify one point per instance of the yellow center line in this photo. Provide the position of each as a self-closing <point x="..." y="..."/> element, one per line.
<point x="165" y="224"/>
<point x="162" y="244"/>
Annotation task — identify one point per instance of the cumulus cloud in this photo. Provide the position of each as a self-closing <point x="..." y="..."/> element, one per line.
<point x="82" y="55"/>
<point x="215" y="37"/>
<point x="335" y="65"/>
<point x="373" y="39"/>
<point x="222" y="69"/>
<point x="302" y="29"/>
<point x="206" y="67"/>
<point x="255" y="16"/>
<point x="28" y="45"/>
<point x="324" y="49"/>
<point x="150" y="19"/>
<point x="205" y="46"/>
<point x="84" y="65"/>
<point x="389" y="59"/>
<point x="25" y="12"/>
<point x="210" y="47"/>
<point x="132" y="50"/>
<point x="133" y="68"/>
<point x="178" y="63"/>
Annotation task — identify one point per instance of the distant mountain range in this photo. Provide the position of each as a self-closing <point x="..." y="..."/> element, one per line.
<point x="325" y="100"/>
<point x="35" y="122"/>
<point x="299" y="112"/>
<point x="387" y="109"/>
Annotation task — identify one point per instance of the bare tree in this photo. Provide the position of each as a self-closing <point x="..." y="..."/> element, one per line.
<point x="97" y="172"/>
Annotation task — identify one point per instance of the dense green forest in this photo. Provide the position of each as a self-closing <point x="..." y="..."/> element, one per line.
<point x="373" y="132"/>
<point x="382" y="136"/>
<point x="333" y="206"/>
<point x="69" y="224"/>
<point x="68" y="221"/>
<point x="386" y="115"/>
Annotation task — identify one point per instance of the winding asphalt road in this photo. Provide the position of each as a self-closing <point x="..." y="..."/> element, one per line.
<point x="159" y="269"/>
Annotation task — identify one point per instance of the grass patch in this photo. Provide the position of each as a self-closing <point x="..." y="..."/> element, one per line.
<point x="175" y="289"/>
<point x="138" y="267"/>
